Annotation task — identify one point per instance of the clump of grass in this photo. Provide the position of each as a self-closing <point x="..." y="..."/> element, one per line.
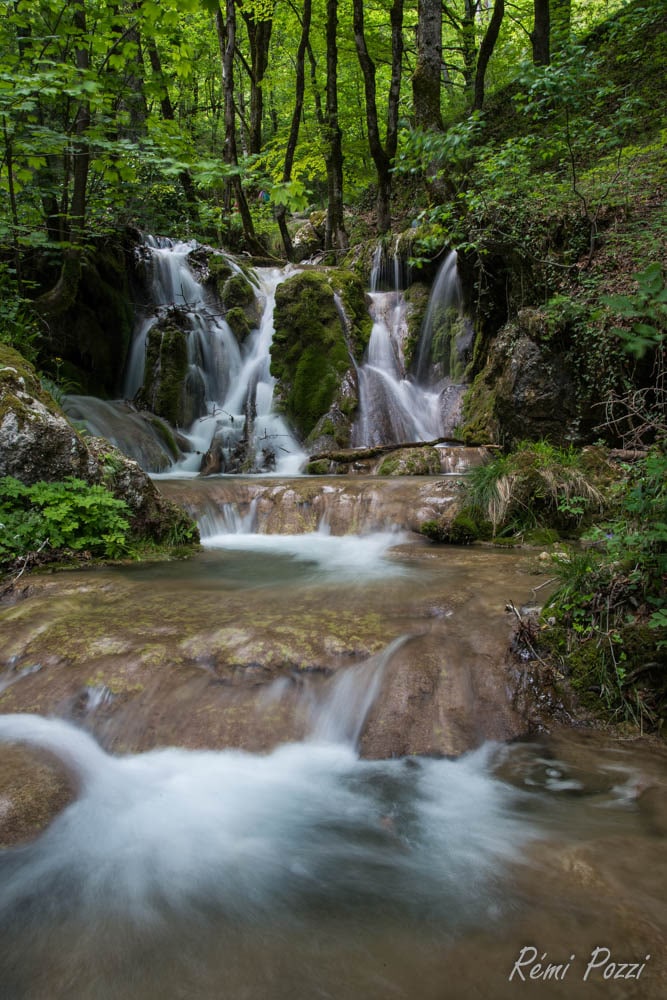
<point x="538" y="485"/>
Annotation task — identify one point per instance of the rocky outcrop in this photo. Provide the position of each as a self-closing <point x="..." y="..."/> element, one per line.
<point x="170" y="390"/>
<point x="343" y="504"/>
<point x="36" y="440"/>
<point x="526" y="390"/>
<point x="233" y="288"/>
<point x="37" y="443"/>
<point x="321" y="324"/>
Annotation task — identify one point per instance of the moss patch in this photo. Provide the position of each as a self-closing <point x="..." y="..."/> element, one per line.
<point x="411" y="462"/>
<point x="309" y="354"/>
<point x="166" y="370"/>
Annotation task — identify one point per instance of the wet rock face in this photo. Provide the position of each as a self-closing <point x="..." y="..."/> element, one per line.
<point x="37" y="443"/>
<point x="33" y="789"/>
<point x="525" y="390"/>
<point x="170" y="390"/>
<point x="36" y="440"/>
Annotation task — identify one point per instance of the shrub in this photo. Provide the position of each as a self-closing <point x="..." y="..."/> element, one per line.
<point x="69" y="515"/>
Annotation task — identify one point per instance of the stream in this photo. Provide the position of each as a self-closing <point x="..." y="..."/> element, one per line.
<point x="302" y="764"/>
<point x="297" y="770"/>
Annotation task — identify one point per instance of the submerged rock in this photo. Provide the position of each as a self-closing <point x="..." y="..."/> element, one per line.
<point x="34" y="788"/>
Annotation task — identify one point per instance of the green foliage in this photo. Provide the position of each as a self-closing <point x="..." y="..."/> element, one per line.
<point x="69" y="515"/>
<point x="609" y="613"/>
<point x="18" y="324"/>
<point x="645" y="311"/>
<point x="538" y="484"/>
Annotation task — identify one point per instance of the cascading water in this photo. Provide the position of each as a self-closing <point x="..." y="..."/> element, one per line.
<point x="228" y="385"/>
<point x="395" y="408"/>
<point x="446" y="335"/>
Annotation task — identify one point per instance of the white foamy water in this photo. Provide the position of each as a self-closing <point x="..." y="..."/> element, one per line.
<point x="253" y="837"/>
<point x="360" y="557"/>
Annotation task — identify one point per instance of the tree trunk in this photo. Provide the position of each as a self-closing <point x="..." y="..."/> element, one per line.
<point x="259" y="37"/>
<point x="382" y="156"/>
<point x="80" y="147"/>
<point x="227" y="40"/>
<point x="335" y="237"/>
<point x="468" y="43"/>
<point x="561" y="22"/>
<point x="486" y="51"/>
<point x="167" y="108"/>
<point x="539" y="36"/>
<point x="427" y="72"/>
<point x="281" y="211"/>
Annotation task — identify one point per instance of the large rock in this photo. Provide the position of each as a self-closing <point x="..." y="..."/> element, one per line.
<point x="321" y="324"/>
<point x="37" y="443"/>
<point x="36" y="440"/>
<point x="525" y="391"/>
<point x="170" y="389"/>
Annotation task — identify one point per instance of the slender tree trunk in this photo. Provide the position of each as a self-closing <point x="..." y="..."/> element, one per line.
<point x="336" y="237"/>
<point x="167" y="108"/>
<point x="469" y="43"/>
<point x="281" y="211"/>
<point x="486" y="51"/>
<point x="226" y="28"/>
<point x="427" y="72"/>
<point x="259" y="37"/>
<point x="382" y="156"/>
<point x="80" y="147"/>
<point x="561" y="22"/>
<point x="540" y="35"/>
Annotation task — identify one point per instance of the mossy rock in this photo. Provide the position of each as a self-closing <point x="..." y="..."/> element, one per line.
<point x="355" y="303"/>
<point x="309" y="354"/>
<point x="462" y="530"/>
<point x="238" y="323"/>
<point x="237" y="292"/>
<point x="219" y="271"/>
<point x="92" y="334"/>
<point x="411" y="462"/>
<point x="480" y="424"/>
<point x="320" y="467"/>
<point x="163" y="390"/>
<point x="416" y="297"/>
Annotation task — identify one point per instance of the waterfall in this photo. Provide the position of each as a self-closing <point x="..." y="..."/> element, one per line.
<point x="394" y="407"/>
<point x="228" y="386"/>
<point x="340" y="717"/>
<point x="446" y="335"/>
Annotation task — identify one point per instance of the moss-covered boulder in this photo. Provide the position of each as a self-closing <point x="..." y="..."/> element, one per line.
<point x="311" y="354"/>
<point x="234" y="286"/>
<point x="36" y="440"/>
<point x="37" y="443"/>
<point x="170" y="390"/>
<point x="416" y="299"/>
<point x="90" y="325"/>
<point x="411" y="462"/>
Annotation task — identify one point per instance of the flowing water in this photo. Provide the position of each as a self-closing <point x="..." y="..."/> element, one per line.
<point x="292" y="779"/>
<point x="230" y="388"/>
<point x="396" y="406"/>
<point x="299" y="765"/>
<point x="230" y="382"/>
